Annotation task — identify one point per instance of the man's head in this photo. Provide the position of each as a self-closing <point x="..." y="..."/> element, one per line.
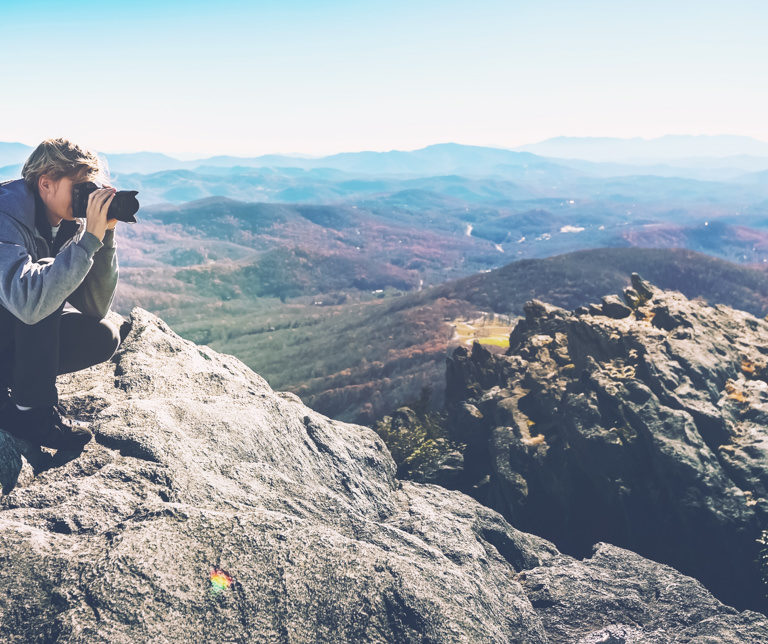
<point x="52" y="169"/>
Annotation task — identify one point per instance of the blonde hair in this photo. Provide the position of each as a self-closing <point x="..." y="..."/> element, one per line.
<point x="61" y="158"/>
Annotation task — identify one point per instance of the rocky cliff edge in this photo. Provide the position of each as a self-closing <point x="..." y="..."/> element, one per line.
<point x="211" y="508"/>
<point x="641" y="420"/>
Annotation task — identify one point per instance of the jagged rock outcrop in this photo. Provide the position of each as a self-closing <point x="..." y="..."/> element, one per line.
<point x="643" y="423"/>
<point x="198" y="466"/>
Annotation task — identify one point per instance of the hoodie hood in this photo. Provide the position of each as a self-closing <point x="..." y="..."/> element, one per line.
<point x="18" y="201"/>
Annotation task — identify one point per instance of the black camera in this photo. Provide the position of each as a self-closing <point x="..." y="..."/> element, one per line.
<point x="123" y="207"/>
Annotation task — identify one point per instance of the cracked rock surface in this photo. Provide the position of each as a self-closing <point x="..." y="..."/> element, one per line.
<point x="643" y="423"/>
<point x="198" y="466"/>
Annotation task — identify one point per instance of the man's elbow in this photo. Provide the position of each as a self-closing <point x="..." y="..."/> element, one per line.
<point x="92" y="309"/>
<point x="30" y="316"/>
<point x="32" y="310"/>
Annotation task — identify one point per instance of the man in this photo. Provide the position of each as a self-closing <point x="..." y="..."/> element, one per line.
<point x="49" y="258"/>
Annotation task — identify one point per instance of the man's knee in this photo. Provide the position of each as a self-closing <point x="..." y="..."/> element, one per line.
<point x="109" y="338"/>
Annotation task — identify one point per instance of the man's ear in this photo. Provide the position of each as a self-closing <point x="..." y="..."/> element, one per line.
<point x="44" y="185"/>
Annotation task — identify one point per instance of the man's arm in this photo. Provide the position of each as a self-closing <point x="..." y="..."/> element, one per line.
<point x="31" y="290"/>
<point x="95" y="294"/>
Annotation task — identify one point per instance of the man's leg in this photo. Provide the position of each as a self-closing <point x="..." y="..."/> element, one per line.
<point x="7" y="323"/>
<point x="85" y="341"/>
<point x="64" y="342"/>
<point x="36" y="361"/>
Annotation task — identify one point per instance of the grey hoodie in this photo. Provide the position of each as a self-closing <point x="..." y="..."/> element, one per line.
<point x="84" y="272"/>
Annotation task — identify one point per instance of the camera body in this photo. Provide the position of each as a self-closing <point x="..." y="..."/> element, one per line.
<point x="124" y="204"/>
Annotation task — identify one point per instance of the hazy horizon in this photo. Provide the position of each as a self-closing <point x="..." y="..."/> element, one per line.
<point x="303" y="154"/>
<point x="300" y="154"/>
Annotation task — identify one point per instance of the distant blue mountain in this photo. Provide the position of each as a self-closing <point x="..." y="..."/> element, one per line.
<point x="440" y="159"/>
<point x="13" y="153"/>
<point x="556" y="162"/>
<point x="148" y="162"/>
<point x="444" y="158"/>
<point x="683" y="148"/>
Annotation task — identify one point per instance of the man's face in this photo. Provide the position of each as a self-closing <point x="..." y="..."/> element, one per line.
<point x="64" y="198"/>
<point x="57" y="197"/>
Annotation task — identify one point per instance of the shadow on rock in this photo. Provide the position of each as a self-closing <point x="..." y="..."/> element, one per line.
<point x="20" y="461"/>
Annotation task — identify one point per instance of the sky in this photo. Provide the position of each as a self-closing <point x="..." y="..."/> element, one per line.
<point x="317" y="77"/>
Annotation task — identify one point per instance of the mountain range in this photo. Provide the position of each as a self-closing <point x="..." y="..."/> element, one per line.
<point x="677" y="149"/>
<point x="674" y="151"/>
<point x="351" y="251"/>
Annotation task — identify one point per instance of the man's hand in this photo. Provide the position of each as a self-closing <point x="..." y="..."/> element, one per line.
<point x="111" y="223"/>
<point x="96" y="221"/>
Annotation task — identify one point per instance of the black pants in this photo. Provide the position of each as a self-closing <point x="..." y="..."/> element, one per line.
<point x="32" y="355"/>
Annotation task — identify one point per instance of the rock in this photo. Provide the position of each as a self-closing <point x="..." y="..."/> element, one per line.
<point x="404" y="417"/>
<point x="663" y="318"/>
<point x="210" y="508"/>
<point x="537" y="309"/>
<point x="645" y="290"/>
<point x="637" y="609"/>
<point x="473" y="371"/>
<point x="198" y="465"/>
<point x="467" y="419"/>
<point x="648" y="431"/>
<point x="450" y="471"/>
<point x="614" y="308"/>
<point x="631" y="297"/>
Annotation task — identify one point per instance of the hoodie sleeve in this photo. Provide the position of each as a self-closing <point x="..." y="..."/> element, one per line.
<point x="31" y="290"/>
<point x="95" y="294"/>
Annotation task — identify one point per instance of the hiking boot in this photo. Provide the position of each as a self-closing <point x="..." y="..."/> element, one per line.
<point x="44" y="426"/>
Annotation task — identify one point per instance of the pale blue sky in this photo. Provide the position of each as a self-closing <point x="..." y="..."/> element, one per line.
<point x="247" y="78"/>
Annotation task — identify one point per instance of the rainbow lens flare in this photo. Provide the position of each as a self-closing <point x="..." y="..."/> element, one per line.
<point x="219" y="580"/>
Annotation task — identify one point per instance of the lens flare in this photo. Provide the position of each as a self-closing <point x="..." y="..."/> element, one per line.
<point x="219" y="580"/>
